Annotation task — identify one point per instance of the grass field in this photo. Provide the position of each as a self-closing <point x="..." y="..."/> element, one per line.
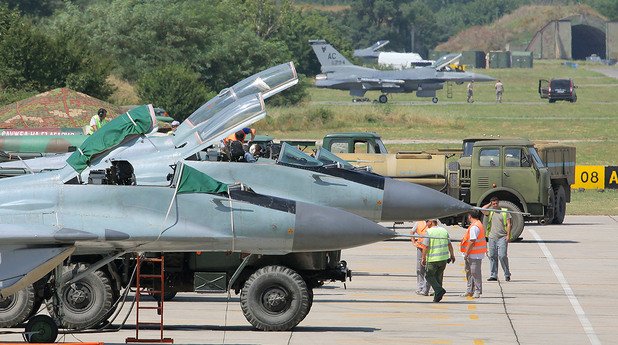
<point x="590" y="124"/>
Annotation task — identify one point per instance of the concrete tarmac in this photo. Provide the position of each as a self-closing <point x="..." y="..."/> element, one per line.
<point x="562" y="292"/>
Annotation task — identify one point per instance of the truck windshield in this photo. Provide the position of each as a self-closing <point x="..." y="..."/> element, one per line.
<point x="537" y="159"/>
<point x="293" y="156"/>
<point x="327" y="157"/>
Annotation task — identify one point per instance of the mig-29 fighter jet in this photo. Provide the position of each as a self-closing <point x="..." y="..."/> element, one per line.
<point x="339" y="73"/>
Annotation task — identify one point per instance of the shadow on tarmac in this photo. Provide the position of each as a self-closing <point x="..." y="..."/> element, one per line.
<point x="199" y="328"/>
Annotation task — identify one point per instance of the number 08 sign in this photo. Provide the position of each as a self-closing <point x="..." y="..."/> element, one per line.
<point x="589" y="177"/>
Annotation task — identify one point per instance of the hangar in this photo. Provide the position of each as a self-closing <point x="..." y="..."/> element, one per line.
<point x="576" y="37"/>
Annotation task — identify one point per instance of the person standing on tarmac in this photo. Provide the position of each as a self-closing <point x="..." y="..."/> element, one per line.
<point x="499" y="233"/>
<point x="436" y="256"/>
<point x="473" y="247"/>
<point x="420" y="229"/>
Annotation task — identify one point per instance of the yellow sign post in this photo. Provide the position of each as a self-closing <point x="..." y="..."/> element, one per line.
<point x="589" y="177"/>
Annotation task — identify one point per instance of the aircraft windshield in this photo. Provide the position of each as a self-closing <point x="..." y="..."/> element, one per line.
<point x="327" y="157"/>
<point x="267" y="82"/>
<point x="293" y="156"/>
<point x="445" y="60"/>
<point x="535" y="156"/>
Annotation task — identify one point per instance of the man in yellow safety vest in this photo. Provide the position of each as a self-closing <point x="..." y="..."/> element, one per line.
<point x="97" y="121"/>
<point x="437" y="253"/>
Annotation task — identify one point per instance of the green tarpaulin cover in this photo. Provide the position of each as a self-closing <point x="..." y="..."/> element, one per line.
<point x="195" y="181"/>
<point x="139" y="120"/>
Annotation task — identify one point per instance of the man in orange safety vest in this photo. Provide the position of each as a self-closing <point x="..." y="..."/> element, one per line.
<point x="473" y="246"/>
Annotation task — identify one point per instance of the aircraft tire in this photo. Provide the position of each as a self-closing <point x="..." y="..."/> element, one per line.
<point x="435" y="99"/>
<point x="517" y="219"/>
<point x="275" y="298"/>
<point x="41" y="329"/>
<point x="16" y="308"/>
<point x="560" y="206"/>
<point x="383" y="99"/>
<point x="85" y="303"/>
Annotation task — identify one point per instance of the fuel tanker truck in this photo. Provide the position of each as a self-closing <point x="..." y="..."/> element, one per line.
<point x="533" y="178"/>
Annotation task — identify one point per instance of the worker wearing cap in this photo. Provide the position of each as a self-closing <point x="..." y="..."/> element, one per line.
<point x="175" y="125"/>
<point x="437" y="253"/>
<point x="419" y="231"/>
<point x="97" y="121"/>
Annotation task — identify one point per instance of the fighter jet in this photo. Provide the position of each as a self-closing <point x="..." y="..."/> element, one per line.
<point x="46" y="217"/>
<point x="339" y="73"/>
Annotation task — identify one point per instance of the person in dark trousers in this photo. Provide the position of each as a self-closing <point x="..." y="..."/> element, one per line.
<point x="437" y="253"/>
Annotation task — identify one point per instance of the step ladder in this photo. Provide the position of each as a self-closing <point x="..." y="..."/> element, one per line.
<point x="449" y="89"/>
<point x="143" y="281"/>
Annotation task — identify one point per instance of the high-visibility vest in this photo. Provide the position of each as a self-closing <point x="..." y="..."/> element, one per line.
<point x="480" y="245"/>
<point x="438" y="244"/>
<point x="421" y="229"/>
<point x="98" y="124"/>
<point x="491" y="216"/>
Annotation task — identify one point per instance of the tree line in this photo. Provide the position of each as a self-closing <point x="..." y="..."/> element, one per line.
<point x="179" y="53"/>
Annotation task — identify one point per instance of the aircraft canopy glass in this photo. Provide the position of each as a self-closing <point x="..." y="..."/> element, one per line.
<point x="293" y="156"/>
<point x="327" y="157"/>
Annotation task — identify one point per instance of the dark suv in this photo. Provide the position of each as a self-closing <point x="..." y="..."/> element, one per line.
<point x="558" y="90"/>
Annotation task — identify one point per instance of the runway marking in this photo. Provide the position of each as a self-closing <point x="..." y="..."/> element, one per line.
<point x="579" y="311"/>
<point x="474" y="317"/>
<point x="471" y="307"/>
<point x="479" y="342"/>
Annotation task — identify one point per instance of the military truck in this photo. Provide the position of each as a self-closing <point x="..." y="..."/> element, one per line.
<point x="530" y="178"/>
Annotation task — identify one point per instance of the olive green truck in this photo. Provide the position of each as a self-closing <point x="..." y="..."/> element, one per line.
<point x="531" y="178"/>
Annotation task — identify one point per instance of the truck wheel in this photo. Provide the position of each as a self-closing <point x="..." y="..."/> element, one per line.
<point x="16" y="308"/>
<point x="85" y="303"/>
<point x="310" y="304"/>
<point x="560" y="206"/>
<point x="517" y="219"/>
<point x="275" y="298"/>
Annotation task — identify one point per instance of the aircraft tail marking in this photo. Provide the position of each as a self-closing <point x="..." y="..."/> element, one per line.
<point x="327" y="55"/>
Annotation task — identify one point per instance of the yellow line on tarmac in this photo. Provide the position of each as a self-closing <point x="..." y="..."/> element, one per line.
<point x="471" y="307"/>
<point x="474" y="317"/>
<point x="479" y="342"/>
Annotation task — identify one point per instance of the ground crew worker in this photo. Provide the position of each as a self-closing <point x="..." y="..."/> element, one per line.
<point x="97" y="121"/>
<point x="470" y="92"/>
<point x="241" y="136"/>
<point x="436" y="256"/>
<point x="474" y="246"/>
<point x="499" y="90"/>
<point x="499" y="230"/>
<point x="420" y="229"/>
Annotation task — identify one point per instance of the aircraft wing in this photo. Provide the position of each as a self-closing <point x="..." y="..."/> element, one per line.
<point x="372" y="83"/>
<point x="22" y="265"/>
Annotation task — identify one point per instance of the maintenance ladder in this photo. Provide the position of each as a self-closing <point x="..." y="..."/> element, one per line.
<point x="143" y="290"/>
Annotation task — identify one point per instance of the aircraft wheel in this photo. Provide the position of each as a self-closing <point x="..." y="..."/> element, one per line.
<point x="85" y="303"/>
<point x="41" y="329"/>
<point x="435" y="99"/>
<point x="383" y="98"/>
<point x="275" y="298"/>
<point x="16" y="308"/>
<point x="517" y="219"/>
<point x="560" y="206"/>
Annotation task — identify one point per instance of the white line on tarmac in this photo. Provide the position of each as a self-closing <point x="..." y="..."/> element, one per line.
<point x="581" y="315"/>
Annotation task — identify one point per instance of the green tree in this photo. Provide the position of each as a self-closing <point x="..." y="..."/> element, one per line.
<point x="173" y="87"/>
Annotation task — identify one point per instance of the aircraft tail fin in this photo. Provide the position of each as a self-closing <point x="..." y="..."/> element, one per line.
<point x="327" y="55"/>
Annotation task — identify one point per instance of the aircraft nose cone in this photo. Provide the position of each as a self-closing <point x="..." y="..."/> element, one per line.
<point x="320" y="228"/>
<point x="405" y="201"/>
